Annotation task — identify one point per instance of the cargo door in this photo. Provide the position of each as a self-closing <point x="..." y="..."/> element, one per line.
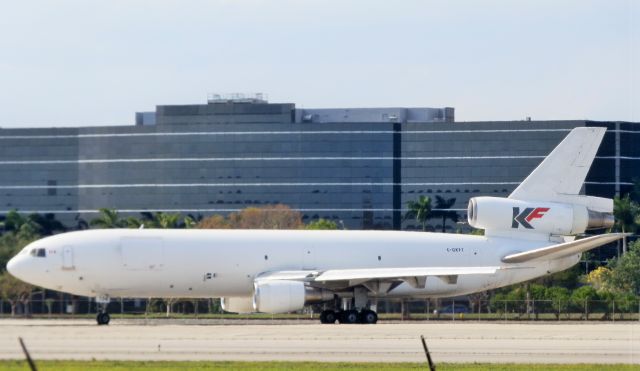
<point x="142" y="253"/>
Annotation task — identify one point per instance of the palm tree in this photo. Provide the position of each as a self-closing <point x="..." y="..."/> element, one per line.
<point x="133" y="222"/>
<point x="47" y="223"/>
<point x="13" y="221"/>
<point x="419" y="210"/>
<point x="441" y="211"/>
<point x="166" y="220"/>
<point x="625" y="212"/>
<point x="31" y="225"/>
<point x="108" y="218"/>
<point x="189" y="222"/>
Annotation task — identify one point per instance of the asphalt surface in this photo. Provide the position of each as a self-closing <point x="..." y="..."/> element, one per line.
<point x="545" y="342"/>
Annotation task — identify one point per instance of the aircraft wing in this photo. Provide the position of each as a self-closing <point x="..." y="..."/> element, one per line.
<point x="383" y="273"/>
<point x="382" y="278"/>
<point x="564" y="249"/>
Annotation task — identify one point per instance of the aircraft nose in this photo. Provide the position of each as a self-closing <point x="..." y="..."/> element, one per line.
<point x="16" y="267"/>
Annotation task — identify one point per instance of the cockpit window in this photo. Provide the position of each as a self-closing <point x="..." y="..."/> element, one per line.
<point x="40" y="253"/>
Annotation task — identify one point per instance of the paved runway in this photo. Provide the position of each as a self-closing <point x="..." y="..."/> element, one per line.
<point x="266" y="340"/>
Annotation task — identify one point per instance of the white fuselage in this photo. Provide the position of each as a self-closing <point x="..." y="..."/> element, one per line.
<point x="225" y="263"/>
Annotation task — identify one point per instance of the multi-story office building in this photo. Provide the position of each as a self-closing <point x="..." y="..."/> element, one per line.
<point x="355" y="166"/>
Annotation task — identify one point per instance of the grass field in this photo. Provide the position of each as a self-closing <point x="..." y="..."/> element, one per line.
<point x="269" y="366"/>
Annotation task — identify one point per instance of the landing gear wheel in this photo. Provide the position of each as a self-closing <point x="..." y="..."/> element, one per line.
<point x="328" y="316"/>
<point x="368" y="317"/>
<point x="349" y="316"/>
<point x="103" y="318"/>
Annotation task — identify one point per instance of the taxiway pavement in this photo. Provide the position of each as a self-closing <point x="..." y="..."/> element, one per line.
<point x="545" y="342"/>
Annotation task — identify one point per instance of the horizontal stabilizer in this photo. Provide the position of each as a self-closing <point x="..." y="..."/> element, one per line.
<point x="564" y="249"/>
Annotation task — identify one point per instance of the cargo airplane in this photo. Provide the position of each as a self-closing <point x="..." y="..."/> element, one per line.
<point x="529" y="234"/>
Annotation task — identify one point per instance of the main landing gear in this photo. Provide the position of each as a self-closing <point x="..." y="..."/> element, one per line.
<point x="351" y="316"/>
<point x="352" y="309"/>
<point x="102" y="317"/>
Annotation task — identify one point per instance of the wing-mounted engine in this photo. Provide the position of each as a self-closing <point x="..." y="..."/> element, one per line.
<point x="283" y="296"/>
<point x="507" y="215"/>
<point x="239" y="304"/>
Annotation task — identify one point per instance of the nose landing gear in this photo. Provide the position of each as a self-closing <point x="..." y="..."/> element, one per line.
<point x="102" y="317"/>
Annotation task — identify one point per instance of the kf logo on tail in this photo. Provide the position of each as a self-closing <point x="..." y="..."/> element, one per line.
<point x="526" y="216"/>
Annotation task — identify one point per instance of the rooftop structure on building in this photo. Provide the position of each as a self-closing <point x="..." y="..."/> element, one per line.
<point x="254" y="108"/>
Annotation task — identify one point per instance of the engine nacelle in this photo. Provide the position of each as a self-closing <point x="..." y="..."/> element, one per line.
<point x="239" y="304"/>
<point x="282" y="296"/>
<point x="505" y="214"/>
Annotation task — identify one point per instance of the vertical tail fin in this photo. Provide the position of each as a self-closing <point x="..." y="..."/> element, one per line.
<point x="547" y="203"/>
<point x="563" y="172"/>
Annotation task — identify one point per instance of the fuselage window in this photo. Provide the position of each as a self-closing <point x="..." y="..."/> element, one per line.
<point x="40" y="253"/>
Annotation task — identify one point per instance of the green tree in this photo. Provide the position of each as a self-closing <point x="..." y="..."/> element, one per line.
<point x="322" y="224"/>
<point x="108" y="218"/>
<point x="15" y="292"/>
<point x="569" y="278"/>
<point x="189" y="222"/>
<point x="625" y="271"/>
<point x="165" y="220"/>
<point x="419" y="210"/>
<point x="12" y="242"/>
<point x="132" y="222"/>
<point x="559" y="297"/>
<point x="583" y="297"/>
<point x="584" y="293"/>
<point x="442" y="211"/>
<point x="46" y="224"/>
<point x="627" y="214"/>
<point x="31" y="225"/>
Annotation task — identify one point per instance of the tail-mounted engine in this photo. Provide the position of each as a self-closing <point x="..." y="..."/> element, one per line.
<point x="505" y="214"/>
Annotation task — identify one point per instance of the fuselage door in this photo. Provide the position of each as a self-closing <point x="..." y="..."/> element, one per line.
<point x="67" y="258"/>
